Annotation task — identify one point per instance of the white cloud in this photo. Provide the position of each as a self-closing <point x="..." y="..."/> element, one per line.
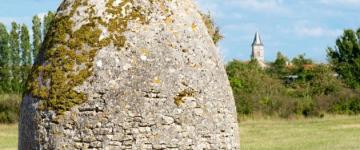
<point x="341" y="2"/>
<point x="218" y="7"/>
<point x="316" y="31"/>
<point x="259" y="5"/>
<point x="252" y="5"/>
<point x="246" y="27"/>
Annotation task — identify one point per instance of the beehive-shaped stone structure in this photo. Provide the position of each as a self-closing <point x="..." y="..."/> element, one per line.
<point x="128" y="74"/>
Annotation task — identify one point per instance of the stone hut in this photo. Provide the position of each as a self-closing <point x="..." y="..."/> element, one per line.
<point x="128" y="74"/>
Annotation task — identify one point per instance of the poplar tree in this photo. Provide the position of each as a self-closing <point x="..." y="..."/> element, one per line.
<point x="15" y="44"/>
<point x="47" y="21"/>
<point x="36" y="36"/>
<point x="4" y="46"/>
<point x="5" y="59"/>
<point x="15" y="56"/>
<point x="26" y="55"/>
<point x="25" y="46"/>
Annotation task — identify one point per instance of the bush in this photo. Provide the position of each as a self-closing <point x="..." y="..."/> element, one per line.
<point x="9" y="108"/>
<point x="349" y="106"/>
<point x="256" y="92"/>
<point x="316" y="92"/>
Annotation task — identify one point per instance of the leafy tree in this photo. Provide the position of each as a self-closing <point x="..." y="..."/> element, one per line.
<point x="36" y="44"/>
<point x="5" y="59"/>
<point x="345" y="57"/>
<point x="235" y="73"/>
<point x="15" y="44"/>
<point x="316" y="91"/>
<point x="279" y="67"/>
<point x="281" y="61"/>
<point x="301" y="61"/>
<point x="301" y="65"/>
<point x="4" y="46"/>
<point x="15" y="55"/>
<point x="302" y="68"/>
<point x="323" y="81"/>
<point x="254" y="91"/>
<point x="26" y="55"/>
<point x="25" y="46"/>
<point x="47" y="21"/>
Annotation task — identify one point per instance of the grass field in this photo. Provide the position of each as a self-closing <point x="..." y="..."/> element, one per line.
<point x="8" y="137"/>
<point x="329" y="133"/>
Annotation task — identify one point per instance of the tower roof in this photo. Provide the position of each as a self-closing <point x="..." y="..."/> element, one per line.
<point x="257" y="40"/>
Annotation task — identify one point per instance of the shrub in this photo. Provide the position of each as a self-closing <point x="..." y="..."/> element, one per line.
<point x="316" y="92"/>
<point x="347" y="106"/>
<point x="257" y="92"/>
<point x="9" y="108"/>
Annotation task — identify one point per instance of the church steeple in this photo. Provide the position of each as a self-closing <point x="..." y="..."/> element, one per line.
<point x="258" y="50"/>
<point x="257" y="40"/>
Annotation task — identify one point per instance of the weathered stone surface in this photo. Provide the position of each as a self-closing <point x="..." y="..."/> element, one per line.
<point x="155" y="81"/>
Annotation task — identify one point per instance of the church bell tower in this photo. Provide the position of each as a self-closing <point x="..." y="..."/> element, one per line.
<point x="258" y="50"/>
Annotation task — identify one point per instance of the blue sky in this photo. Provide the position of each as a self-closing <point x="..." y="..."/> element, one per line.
<point x="291" y="26"/>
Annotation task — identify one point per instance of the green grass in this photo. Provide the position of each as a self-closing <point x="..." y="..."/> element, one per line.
<point x="8" y="137"/>
<point x="329" y="133"/>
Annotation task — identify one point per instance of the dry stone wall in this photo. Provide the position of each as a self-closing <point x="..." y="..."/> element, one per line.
<point x="128" y="74"/>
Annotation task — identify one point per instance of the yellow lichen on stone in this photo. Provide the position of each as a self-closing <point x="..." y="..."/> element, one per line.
<point x="179" y="98"/>
<point x="193" y="26"/>
<point x="157" y="80"/>
<point x="145" y="52"/>
<point x="169" y="20"/>
<point x="164" y="8"/>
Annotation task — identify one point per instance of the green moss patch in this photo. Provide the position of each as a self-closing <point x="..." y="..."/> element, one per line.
<point x="68" y="55"/>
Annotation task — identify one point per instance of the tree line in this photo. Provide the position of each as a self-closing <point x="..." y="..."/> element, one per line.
<point x="299" y="86"/>
<point x="18" y="51"/>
